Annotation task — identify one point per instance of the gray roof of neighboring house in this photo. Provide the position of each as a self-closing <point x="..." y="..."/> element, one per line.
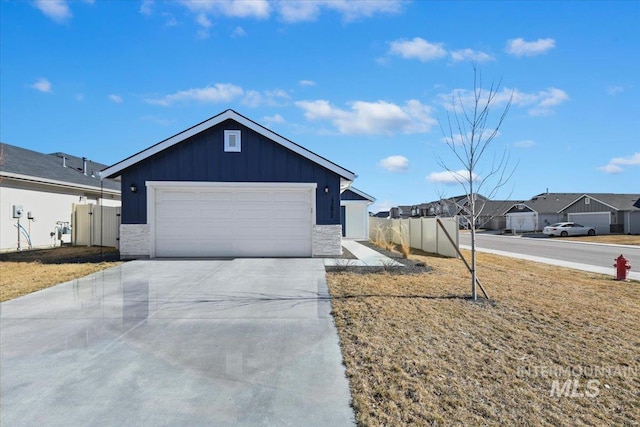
<point x="621" y="202"/>
<point x="48" y="167"/>
<point x="496" y="207"/>
<point x="547" y="203"/>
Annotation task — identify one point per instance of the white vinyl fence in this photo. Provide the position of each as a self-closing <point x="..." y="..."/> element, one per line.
<point x="95" y="225"/>
<point x="421" y="233"/>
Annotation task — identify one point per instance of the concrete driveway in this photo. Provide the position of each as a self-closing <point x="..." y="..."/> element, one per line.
<point x="176" y="342"/>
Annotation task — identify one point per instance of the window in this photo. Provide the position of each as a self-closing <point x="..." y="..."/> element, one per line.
<point x="232" y="141"/>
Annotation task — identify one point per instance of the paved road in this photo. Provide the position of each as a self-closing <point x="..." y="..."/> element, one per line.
<point x="598" y="255"/>
<point x="245" y="342"/>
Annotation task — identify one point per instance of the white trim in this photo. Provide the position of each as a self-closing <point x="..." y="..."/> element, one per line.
<point x="57" y="183"/>
<point x="115" y="169"/>
<point x="228" y="148"/>
<point x="152" y="186"/>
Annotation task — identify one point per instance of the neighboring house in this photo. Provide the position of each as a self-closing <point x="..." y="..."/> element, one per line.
<point x="381" y="214"/>
<point x="540" y="211"/>
<point x="607" y="212"/>
<point x="229" y="187"/>
<point x="44" y="187"/>
<point x="400" y="212"/>
<point x="354" y="213"/>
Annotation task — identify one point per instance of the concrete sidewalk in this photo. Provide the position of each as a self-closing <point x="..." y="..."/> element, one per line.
<point x="244" y="342"/>
<point x="568" y="264"/>
<point x="367" y="257"/>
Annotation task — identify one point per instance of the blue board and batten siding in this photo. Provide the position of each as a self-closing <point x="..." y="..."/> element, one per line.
<point x="202" y="158"/>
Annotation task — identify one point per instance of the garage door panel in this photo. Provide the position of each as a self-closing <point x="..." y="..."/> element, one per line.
<point x="175" y="196"/>
<point x="229" y="222"/>
<point x="291" y="197"/>
<point x="292" y="214"/>
<point x="220" y="214"/>
<point x="253" y="196"/>
<point x="218" y="196"/>
<point x="599" y="220"/>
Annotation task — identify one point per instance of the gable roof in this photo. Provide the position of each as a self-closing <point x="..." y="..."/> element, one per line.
<point x="619" y="202"/>
<point x="360" y="193"/>
<point x="28" y="165"/>
<point x="547" y="203"/>
<point x="116" y="169"/>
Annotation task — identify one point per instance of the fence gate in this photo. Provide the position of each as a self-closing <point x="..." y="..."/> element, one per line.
<point x="95" y="225"/>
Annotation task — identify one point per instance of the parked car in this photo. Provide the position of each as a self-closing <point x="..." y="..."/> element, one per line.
<point x="565" y="229"/>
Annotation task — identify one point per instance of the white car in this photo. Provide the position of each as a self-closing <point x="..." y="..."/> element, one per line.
<point x="565" y="229"/>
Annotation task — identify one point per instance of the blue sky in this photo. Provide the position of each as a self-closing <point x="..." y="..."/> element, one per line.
<point x="362" y="83"/>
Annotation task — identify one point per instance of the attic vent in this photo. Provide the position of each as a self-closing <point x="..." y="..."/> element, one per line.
<point x="232" y="141"/>
<point x="520" y="206"/>
<point x="587" y="200"/>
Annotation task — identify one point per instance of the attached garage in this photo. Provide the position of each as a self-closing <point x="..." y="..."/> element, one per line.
<point x="195" y="219"/>
<point x="601" y="221"/>
<point x="522" y="221"/>
<point x="229" y="187"/>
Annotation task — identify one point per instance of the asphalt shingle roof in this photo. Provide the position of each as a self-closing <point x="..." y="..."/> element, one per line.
<point x="21" y="161"/>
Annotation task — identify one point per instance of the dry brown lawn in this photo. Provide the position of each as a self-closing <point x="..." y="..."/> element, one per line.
<point x="24" y="272"/>
<point x="417" y="352"/>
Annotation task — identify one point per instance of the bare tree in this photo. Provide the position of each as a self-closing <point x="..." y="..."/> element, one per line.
<point x="469" y="133"/>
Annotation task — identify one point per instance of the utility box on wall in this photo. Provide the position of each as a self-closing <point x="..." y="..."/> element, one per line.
<point x="17" y="211"/>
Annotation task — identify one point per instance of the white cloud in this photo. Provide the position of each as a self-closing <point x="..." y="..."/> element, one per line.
<point x="115" y="98"/>
<point x="368" y="118"/>
<point x="632" y="160"/>
<point x="395" y="163"/>
<point x="451" y="177"/>
<point x="220" y="92"/>
<point x="614" y="90"/>
<point x="203" y="21"/>
<point x="305" y="11"/>
<point x="417" y="48"/>
<point x="539" y="103"/>
<point x="470" y="55"/>
<point x="524" y="143"/>
<point x="80" y="97"/>
<point x="615" y="164"/>
<point x="276" y="118"/>
<point x="238" y="32"/>
<point x="42" y="85"/>
<point x="259" y="9"/>
<point x="519" y="47"/>
<point x="58" y="10"/>
<point x="610" y="169"/>
<point x="299" y="11"/>
<point x="307" y="83"/>
<point x="272" y="98"/>
<point x="146" y="8"/>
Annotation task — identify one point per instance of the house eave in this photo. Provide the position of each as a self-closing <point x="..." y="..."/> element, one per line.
<point x="59" y="184"/>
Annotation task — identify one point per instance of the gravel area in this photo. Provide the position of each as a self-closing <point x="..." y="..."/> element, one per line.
<point x="410" y="266"/>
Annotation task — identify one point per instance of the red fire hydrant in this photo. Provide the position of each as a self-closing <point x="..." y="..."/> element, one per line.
<point x="622" y="266"/>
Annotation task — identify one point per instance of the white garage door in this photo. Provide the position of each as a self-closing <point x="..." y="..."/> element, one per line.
<point x="522" y="221"/>
<point x="599" y="220"/>
<point x="241" y="220"/>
